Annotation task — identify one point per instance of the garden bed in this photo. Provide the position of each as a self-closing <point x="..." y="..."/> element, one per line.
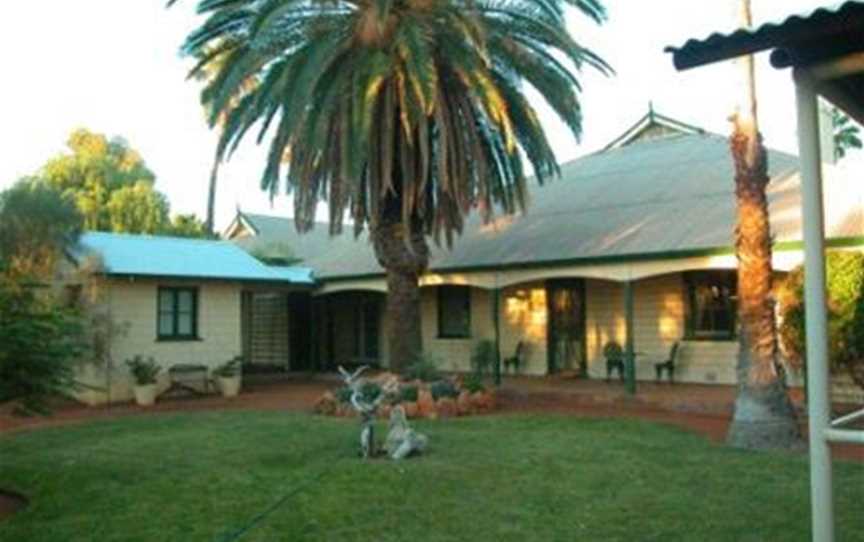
<point x="439" y="398"/>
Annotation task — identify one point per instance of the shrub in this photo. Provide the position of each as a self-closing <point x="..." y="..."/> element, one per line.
<point x="230" y="368"/>
<point x="144" y="371"/>
<point x="425" y="368"/>
<point x="343" y="394"/>
<point x="370" y="391"/>
<point x="443" y="388"/>
<point x="845" y="285"/>
<point x="408" y="394"/>
<point x="39" y="344"/>
<point x="484" y="356"/>
<point x="473" y="383"/>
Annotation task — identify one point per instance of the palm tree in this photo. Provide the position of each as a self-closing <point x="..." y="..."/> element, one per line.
<point x="764" y="415"/>
<point x="404" y="115"/>
<point x="846" y="133"/>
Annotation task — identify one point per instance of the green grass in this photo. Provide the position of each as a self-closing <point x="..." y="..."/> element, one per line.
<point x="207" y="476"/>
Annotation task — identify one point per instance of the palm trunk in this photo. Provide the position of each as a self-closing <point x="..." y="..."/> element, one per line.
<point x="211" y="198"/>
<point x="764" y="415"/>
<point x="405" y="262"/>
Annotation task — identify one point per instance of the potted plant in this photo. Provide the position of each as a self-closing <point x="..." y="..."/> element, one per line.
<point x="144" y="373"/>
<point x="228" y="375"/>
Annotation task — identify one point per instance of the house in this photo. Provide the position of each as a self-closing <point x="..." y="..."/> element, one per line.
<point x="649" y="218"/>
<point x="181" y="301"/>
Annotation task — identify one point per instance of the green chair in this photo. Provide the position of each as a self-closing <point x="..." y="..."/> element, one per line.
<point x="614" y="355"/>
<point x="667" y="365"/>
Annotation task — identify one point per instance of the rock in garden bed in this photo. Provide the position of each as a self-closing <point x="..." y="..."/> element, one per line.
<point x="441" y="398"/>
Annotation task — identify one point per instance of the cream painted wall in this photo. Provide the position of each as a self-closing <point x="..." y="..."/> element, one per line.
<point x="455" y="354"/>
<point x="133" y="305"/>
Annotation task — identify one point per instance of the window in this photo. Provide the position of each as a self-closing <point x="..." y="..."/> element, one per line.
<point x="454" y="312"/>
<point x="177" y="317"/>
<point x="711" y="304"/>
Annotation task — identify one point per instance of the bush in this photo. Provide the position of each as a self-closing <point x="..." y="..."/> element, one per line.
<point x="408" y="394"/>
<point x="144" y="371"/>
<point x="343" y="394"/>
<point x="473" y="383"/>
<point x="425" y="368"/>
<point x="443" y="388"/>
<point x="39" y="344"/>
<point x="484" y="356"/>
<point x="230" y="368"/>
<point x="845" y="285"/>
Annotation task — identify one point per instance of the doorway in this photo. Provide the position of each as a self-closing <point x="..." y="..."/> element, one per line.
<point x="566" y="335"/>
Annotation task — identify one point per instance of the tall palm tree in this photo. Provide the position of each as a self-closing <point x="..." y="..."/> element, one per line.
<point x="846" y="134"/>
<point x="404" y="115"/>
<point x="764" y="415"/>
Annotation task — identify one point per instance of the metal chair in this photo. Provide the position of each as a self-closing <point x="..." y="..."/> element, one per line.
<point x="668" y="365"/>
<point x="517" y="360"/>
<point x="614" y="355"/>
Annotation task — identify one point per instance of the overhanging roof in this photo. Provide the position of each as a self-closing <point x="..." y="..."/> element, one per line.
<point x="810" y="39"/>
<point x="175" y="257"/>
<point x="652" y="199"/>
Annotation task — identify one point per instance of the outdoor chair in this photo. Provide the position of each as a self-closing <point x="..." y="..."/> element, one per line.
<point x="614" y="355"/>
<point x="668" y="365"/>
<point x="517" y="360"/>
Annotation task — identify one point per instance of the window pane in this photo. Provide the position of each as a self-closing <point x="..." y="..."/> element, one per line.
<point x="166" y="300"/>
<point x="712" y="304"/>
<point x="166" y="325"/>
<point x="184" y="324"/>
<point x="184" y="300"/>
<point x="454" y="311"/>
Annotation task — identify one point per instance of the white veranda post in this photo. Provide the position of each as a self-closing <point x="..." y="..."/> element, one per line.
<point x="822" y="429"/>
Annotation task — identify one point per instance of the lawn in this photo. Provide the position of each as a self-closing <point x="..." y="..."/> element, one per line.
<point x="225" y="476"/>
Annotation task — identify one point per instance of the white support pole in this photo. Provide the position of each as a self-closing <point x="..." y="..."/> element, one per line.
<point x="818" y="399"/>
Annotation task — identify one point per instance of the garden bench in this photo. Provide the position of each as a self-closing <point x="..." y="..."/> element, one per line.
<point x="183" y="375"/>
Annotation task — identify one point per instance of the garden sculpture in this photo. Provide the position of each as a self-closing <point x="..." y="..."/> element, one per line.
<point x="402" y="440"/>
<point x="366" y="406"/>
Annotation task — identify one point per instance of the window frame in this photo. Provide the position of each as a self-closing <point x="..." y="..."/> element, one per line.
<point x="441" y="293"/>
<point x="694" y="279"/>
<point x="175" y="292"/>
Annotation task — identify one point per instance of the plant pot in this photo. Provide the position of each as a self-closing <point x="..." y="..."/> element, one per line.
<point x="230" y="385"/>
<point x="145" y="395"/>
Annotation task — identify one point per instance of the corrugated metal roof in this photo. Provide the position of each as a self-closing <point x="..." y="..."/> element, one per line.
<point x="148" y="255"/>
<point x="661" y="196"/>
<point x="821" y="22"/>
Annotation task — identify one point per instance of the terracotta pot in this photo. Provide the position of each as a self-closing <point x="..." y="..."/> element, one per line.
<point x="145" y="395"/>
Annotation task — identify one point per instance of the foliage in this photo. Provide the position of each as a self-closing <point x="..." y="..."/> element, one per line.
<point x="845" y="288"/>
<point x="484" y="356"/>
<point x="39" y="345"/>
<point x="473" y="383"/>
<point x="549" y="461"/>
<point x="230" y="368"/>
<point x="424" y="367"/>
<point x="408" y="394"/>
<point x="36" y="224"/>
<point x="443" y="388"/>
<point x="343" y="394"/>
<point x="144" y="371"/>
<point x="112" y="187"/>
<point x="847" y="134"/>
<point x="187" y="225"/>
<point x="396" y="112"/>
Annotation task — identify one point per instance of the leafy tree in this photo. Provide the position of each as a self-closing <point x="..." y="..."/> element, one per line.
<point x="36" y="224"/>
<point x="764" y="416"/>
<point x="405" y="115"/>
<point x="845" y="285"/>
<point x="188" y="226"/>
<point x="137" y="209"/>
<point x="846" y="134"/>
<point x="112" y="186"/>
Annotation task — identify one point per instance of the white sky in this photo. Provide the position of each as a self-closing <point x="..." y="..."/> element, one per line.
<point x="113" y="66"/>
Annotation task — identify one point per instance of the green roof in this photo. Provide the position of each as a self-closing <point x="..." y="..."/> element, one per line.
<point x="651" y="198"/>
